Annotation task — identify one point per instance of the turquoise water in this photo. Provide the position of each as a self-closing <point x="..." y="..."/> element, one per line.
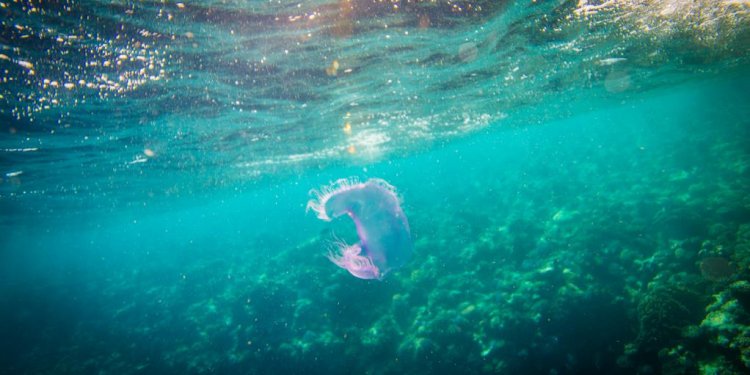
<point x="575" y="177"/>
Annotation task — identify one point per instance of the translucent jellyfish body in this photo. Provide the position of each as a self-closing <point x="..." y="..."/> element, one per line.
<point x="383" y="230"/>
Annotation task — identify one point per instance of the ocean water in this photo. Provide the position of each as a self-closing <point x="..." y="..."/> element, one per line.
<point x="575" y="175"/>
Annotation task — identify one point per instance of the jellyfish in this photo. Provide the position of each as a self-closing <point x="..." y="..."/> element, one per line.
<point x="383" y="230"/>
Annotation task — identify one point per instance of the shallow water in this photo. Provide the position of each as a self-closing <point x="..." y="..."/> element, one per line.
<point x="575" y="178"/>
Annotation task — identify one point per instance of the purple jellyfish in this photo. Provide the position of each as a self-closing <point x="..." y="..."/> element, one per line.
<point x="384" y="236"/>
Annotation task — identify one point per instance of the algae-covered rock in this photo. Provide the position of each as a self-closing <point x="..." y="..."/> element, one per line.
<point x="726" y="323"/>
<point x="664" y="312"/>
<point x="742" y="247"/>
<point x="676" y="360"/>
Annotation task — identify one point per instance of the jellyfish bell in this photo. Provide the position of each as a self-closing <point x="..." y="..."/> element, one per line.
<point x="382" y="227"/>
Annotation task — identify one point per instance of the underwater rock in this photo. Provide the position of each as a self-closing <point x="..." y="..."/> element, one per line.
<point x="716" y="268"/>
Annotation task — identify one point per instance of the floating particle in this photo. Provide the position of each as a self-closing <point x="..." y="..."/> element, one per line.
<point x="617" y="81"/>
<point x="332" y="69"/>
<point x="424" y="21"/>
<point x="26" y="64"/>
<point x="468" y="52"/>
<point x="137" y="160"/>
<point x="611" y="61"/>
